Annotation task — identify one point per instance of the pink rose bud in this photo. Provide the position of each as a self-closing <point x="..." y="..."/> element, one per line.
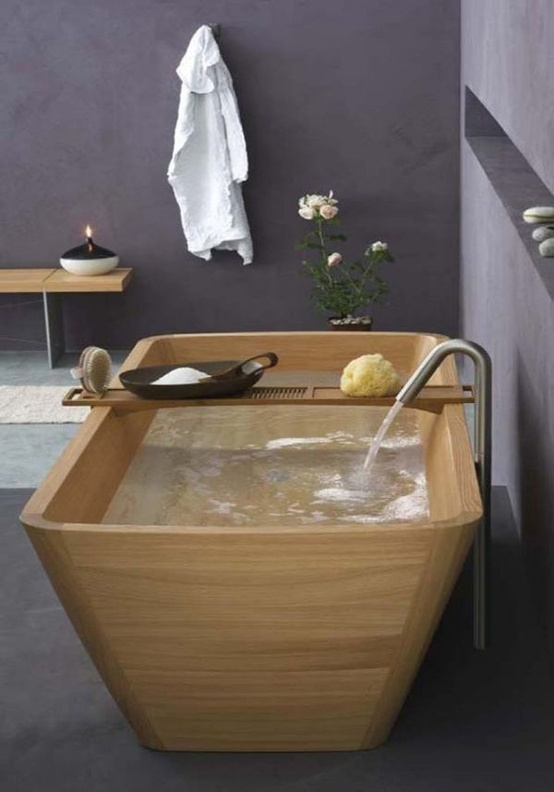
<point x="334" y="259"/>
<point x="306" y="212"/>
<point x="328" y="212"/>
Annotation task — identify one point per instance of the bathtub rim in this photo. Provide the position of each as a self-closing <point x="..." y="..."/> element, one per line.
<point x="34" y="514"/>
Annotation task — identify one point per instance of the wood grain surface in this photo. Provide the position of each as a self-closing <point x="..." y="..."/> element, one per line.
<point x="23" y="280"/>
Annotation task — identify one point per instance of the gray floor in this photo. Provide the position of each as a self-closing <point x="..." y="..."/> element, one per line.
<point x="29" y="450"/>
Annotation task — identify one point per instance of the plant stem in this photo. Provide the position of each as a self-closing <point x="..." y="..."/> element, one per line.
<point x="324" y="254"/>
<point x="321" y="236"/>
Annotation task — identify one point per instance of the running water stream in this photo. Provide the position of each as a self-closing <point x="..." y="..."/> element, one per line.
<point x="380" y="436"/>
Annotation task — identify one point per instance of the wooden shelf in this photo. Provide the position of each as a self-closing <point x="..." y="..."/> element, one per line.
<point x="23" y="281"/>
<point x="62" y="281"/>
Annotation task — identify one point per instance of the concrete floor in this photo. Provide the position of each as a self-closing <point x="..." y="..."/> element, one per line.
<point x="29" y="450"/>
<point x="473" y="722"/>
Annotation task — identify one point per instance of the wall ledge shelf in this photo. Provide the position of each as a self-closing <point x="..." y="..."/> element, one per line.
<point x="513" y="179"/>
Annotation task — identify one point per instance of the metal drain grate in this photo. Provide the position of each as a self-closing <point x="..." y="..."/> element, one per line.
<point x="277" y="393"/>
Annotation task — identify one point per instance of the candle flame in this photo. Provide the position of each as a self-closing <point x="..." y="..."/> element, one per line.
<point x="88" y="231"/>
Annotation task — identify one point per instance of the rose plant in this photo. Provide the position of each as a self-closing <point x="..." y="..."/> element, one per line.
<point x="340" y="288"/>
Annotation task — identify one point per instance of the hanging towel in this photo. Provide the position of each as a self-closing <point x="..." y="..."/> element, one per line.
<point x="209" y="154"/>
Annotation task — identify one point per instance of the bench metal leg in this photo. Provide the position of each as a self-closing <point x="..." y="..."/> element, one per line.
<point x="53" y="320"/>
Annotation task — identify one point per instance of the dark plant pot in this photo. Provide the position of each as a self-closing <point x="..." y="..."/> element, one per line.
<point x="364" y="323"/>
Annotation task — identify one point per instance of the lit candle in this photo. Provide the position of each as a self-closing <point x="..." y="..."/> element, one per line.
<point x="90" y="258"/>
<point x="88" y="235"/>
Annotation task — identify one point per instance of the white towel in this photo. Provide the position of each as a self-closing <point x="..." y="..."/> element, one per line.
<point x="209" y="155"/>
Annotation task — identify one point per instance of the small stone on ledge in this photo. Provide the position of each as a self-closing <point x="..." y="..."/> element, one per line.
<point x="539" y="214"/>
<point x="543" y="232"/>
<point x="546" y="248"/>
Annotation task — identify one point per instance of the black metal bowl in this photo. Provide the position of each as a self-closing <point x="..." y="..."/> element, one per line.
<point x="140" y="381"/>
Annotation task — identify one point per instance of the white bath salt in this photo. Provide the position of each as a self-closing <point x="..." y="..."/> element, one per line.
<point x="181" y="376"/>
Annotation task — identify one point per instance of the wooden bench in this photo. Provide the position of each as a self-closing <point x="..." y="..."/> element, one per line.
<point x="52" y="283"/>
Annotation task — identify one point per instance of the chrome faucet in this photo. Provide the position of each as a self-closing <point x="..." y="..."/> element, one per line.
<point x="482" y="456"/>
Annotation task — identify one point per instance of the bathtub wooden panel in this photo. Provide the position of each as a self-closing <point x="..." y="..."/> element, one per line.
<point x="449" y="463"/>
<point x="253" y="711"/>
<point x="82" y="484"/>
<point x="175" y="611"/>
<point x="165" y="616"/>
<point x="447" y="554"/>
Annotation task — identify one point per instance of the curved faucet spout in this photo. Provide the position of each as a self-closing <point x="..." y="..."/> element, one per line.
<point x="482" y="447"/>
<point x="430" y="364"/>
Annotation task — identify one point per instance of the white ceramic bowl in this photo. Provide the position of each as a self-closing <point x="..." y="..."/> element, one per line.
<point x="90" y="266"/>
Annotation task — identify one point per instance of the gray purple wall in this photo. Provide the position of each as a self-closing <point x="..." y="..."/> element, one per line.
<point x="506" y="305"/>
<point x="356" y="96"/>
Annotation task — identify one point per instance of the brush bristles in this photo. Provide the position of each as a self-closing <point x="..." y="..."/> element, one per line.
<point x="96" y="369"/>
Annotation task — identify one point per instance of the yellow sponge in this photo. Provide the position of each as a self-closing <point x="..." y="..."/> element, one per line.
<point x="370" y="375"/>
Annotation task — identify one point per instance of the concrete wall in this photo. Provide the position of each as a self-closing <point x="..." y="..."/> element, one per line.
<point x="358" y="97"/>
<point x="507" y="62"/>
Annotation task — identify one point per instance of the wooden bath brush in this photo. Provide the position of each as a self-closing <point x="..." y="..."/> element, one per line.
<point x="94" y="370"/>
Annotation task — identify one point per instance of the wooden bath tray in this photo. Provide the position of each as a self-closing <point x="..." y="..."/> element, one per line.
<point x="119" y="398"/>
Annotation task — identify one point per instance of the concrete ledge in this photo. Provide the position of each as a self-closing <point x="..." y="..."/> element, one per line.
<point x="512" y="178"/>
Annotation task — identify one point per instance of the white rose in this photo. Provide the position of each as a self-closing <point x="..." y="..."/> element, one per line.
<point x="328" y="212"/>
<point x="334" y="259"/>
<point x="306" y="212"/>
<point x="315" y="201"/>
<point x="378" y="246"/>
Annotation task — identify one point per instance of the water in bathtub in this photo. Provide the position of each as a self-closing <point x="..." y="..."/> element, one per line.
<point x="273" y="465"/>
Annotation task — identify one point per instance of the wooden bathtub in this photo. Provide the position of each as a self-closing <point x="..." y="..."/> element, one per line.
<point x="256" y="638"/>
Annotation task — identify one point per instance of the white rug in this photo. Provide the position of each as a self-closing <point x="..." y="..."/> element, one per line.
<point x="37" y="404"/>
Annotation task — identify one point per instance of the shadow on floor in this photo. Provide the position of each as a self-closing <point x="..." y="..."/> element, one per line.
<point x="474" y="721"/>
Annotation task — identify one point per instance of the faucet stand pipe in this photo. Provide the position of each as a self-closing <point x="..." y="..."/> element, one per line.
<point x="482" y="449"/>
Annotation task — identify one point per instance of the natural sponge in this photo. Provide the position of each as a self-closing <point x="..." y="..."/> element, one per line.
<point x="370" y="375"/>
